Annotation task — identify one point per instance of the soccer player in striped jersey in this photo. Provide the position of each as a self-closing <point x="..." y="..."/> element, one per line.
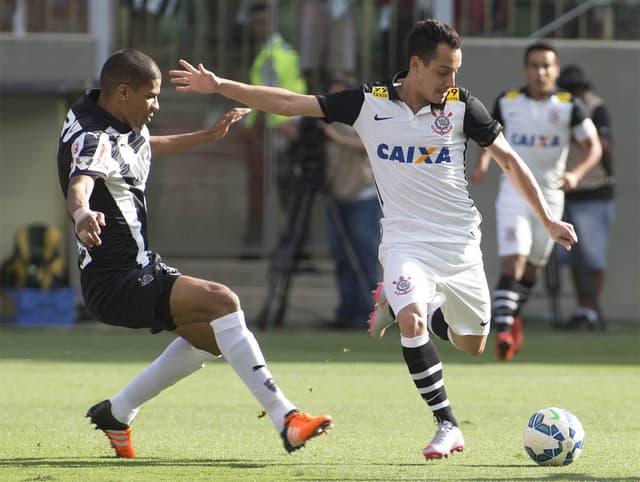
<point x="104" y="158"/>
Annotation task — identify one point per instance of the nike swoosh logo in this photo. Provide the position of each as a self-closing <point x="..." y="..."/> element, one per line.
<point x="484" y="324"/>
<point x="375" y="117"/>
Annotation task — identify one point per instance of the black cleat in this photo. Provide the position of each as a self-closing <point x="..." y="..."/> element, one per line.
<point x="118" y="433"/>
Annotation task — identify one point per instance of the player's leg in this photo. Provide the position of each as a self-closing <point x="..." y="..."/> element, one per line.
<point x="194" y="300"/>
<point x="461" y="309"/>
<point x="409" y="289"/>
<point x="139" y="299"/>
<point x="425" y="368"/>
<point x="115" y="415"/>
<point x="515" y="239"/>
<point x="505" y="305"/>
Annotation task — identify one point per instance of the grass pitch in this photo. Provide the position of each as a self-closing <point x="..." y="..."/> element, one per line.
<point x="209" y="428"/>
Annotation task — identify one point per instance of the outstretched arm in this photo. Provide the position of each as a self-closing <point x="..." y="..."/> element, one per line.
<point x="268" y="99"/>
<point x="161" y="145"/>
<point x="521" y="177"/>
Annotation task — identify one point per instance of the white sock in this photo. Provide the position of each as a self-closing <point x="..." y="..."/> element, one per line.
<point x="240" y="348"/>
<point x="179" y="359"/>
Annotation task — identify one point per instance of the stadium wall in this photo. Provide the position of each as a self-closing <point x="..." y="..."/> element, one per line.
<point x="30" y="121"/>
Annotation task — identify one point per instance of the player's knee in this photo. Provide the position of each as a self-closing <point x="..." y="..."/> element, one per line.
<point x="411" y="323"/>
<point x="222" y="299"/>
<point x="471" y="345"/>
<point x="474" y="350"/>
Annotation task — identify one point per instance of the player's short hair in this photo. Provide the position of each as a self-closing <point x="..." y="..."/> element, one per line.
<point x="128" y="66"/>
<point x="542" y="45"/>
<point x="425" y="37"/>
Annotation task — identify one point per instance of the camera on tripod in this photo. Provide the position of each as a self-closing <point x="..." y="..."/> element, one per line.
<point x="307" y="158"/>
<point x="308" y="153"/>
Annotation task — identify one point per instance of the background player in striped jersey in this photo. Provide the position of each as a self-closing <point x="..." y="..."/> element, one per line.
<point x="104" y="158"/>
<point x="415" y="129"/>
<point x="539" y="122"/>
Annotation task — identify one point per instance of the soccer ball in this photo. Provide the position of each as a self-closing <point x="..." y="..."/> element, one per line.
<point x="553" y="436"/>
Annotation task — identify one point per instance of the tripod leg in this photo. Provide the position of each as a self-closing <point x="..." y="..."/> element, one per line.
<point x="285" y="259"/>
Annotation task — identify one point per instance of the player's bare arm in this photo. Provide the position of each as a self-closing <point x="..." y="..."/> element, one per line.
<point x="479" y="173"/>
<point x="161" y="145"/>
<point x="592" y="152"/>
<point x="87" y="222"/>
<point x="268" y="99"/>
<point x="520" y="175"/>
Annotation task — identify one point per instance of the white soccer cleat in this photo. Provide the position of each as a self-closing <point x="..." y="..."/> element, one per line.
<point x="448" y="439"/>
<point x="381" y="317"/>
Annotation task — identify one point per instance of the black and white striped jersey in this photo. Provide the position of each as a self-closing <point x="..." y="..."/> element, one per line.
<point x="418" y="159"/>
<point x="95" y="143"/>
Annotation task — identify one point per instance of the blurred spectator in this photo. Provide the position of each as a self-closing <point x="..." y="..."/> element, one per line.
<point x="276" y="64"/>
<point x="326" y="40"/>
<point x="350" y="181"/>
<point x="396" y="18"/>
<point x="590" y="208"/>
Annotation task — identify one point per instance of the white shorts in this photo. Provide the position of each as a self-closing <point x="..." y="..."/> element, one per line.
<point x="414" y="273"/>
<point x="519" y="230"/>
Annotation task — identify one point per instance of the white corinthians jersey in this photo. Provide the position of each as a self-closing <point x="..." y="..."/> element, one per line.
<point x="540" y="130"/>
<point x="418" y="160"/>
<point x="95" y="143"/>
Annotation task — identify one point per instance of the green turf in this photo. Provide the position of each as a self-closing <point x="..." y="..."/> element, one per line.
<point x="208" y="427"/>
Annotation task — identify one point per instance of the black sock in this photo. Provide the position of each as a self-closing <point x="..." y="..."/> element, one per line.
<point x="524" y="288"/>
<point x="438" y="326"/>
<point x="505" y="303"/>
<point x="425" y="368"/>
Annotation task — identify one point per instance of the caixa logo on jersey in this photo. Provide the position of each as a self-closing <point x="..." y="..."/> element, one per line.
<point x="414" y="154"/>
<point x="534" y="140"/>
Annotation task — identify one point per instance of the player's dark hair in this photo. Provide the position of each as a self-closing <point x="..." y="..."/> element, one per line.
<point x="425" y="37"/>
<point x="540" y="45"/>
<point x="128" y="66"/>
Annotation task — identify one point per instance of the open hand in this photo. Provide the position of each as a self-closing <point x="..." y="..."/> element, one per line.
<point x="193" y="79"/>
<point x="221" y="127"/>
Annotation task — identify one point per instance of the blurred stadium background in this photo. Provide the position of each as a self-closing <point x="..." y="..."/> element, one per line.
<point x="52" y="50"/>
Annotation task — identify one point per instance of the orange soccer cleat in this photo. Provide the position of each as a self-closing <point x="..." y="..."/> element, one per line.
<point x="505" y="346"/>
<point x="119" y="434"/>
<point x="518" y="334"/>
<point x="300" y="427"/>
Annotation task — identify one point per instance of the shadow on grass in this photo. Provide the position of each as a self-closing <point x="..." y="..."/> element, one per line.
<point x="620" y="345"/>
<point x="66" y="463"/>
<point x="110" y="462"/>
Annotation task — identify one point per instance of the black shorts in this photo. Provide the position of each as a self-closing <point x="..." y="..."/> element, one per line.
<point x="137" y="298"/>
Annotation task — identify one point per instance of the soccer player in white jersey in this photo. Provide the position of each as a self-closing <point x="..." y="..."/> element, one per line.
<point x="104" y="159"/>
<point x="415" y="129"/>
<point x="539" y="122"/>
